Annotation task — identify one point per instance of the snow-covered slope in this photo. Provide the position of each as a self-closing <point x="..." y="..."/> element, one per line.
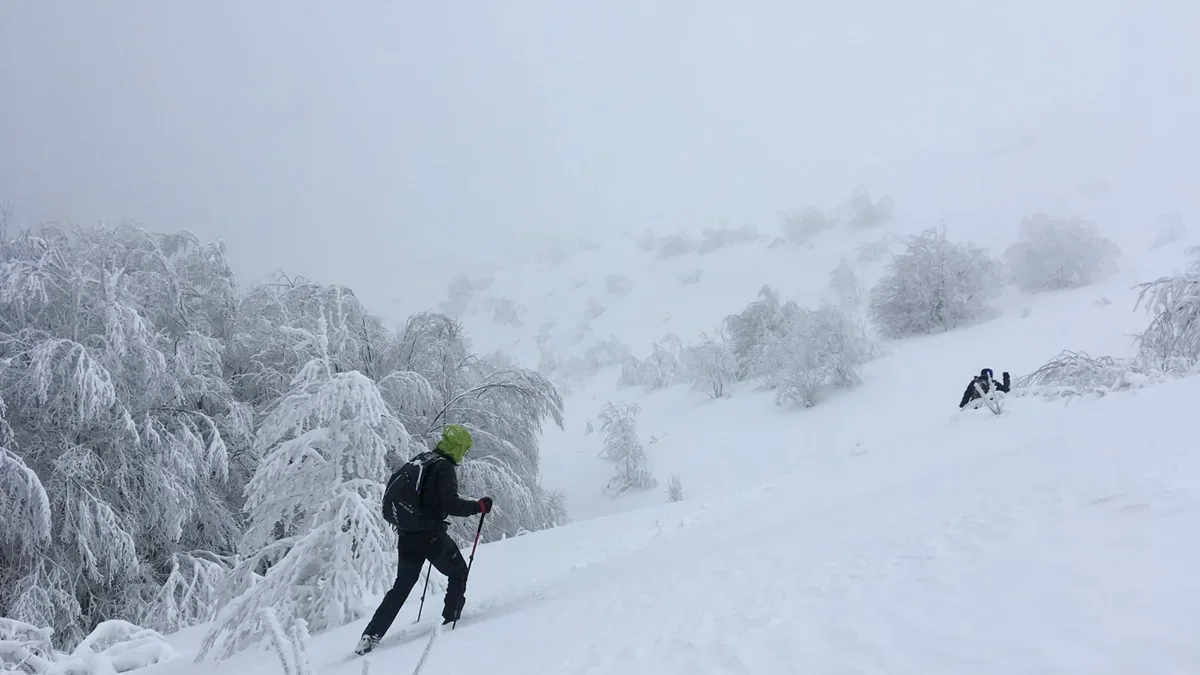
<point x="911" y="390"/>
<point x="881" y="531"/>
<point x="1052" y="539"/>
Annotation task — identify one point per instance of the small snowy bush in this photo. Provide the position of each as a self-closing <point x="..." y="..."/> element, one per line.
<point x="508" y="313"/>
<point x="934" y="285"/>
<point x="813" y="351"/>
<point x="1057" y="253"/>
<point x="1170" y="230"/>
<point x="674" y="489"/>
<point x="862" y="212"/>
<point x="593" y="310"/>
<point x="709" y="367"/>
<point x="845" y="284"/>
<point x="674" y="246"/>
<point x="1077" y="374"/>
<point x="290" y="646"/>
<point x="691" y="278"/>
<point x="618" y="284"/>
<point x="724" y="237"/>
<point x="622" y="446"/>
<point x="1171" y="343"/>
<point x="659" y="369"/>
<point x="800" y="226"/>
<point x="747" y="331"/>
<point x="114" y="646"/>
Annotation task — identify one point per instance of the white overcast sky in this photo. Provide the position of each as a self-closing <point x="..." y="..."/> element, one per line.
<point x="369" y="142"/>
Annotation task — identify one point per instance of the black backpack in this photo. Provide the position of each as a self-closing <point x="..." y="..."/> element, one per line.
<point x="402" y="496"/>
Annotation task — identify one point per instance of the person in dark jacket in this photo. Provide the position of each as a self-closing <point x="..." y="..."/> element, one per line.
<point x="985" y="382"/>
<point x="419" y="498"/>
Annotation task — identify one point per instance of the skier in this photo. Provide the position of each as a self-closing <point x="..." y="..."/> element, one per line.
<point x="419" y="497"/>
<point x="985" y="382"/>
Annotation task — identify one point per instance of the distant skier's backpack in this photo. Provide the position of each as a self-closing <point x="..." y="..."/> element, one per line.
<point x="402" y="497"/>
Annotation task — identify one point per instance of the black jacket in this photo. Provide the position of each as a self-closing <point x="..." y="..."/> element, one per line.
<point x="438" y="497"/>
<point x="970" y="394"/>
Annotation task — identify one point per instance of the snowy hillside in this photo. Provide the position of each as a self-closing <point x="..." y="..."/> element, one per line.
<point x="1052" y="539"/>
<point x="915" y="385"/>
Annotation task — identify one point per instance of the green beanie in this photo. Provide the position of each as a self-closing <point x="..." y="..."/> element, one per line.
<point x="455" y="443"/>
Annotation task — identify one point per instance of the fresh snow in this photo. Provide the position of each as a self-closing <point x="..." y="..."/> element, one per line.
<point x="882" y="531"/>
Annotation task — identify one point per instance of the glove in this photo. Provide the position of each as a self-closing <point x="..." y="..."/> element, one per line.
<point x="485" y="504"/>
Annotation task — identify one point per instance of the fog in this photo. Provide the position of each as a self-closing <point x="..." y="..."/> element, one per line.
<point x="384" y="145"/>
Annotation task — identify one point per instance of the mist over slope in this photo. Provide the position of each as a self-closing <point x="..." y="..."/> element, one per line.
<point x="571" y="313"/>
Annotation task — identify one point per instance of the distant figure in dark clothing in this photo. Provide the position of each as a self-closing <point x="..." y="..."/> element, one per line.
<point x="985" y="383"/>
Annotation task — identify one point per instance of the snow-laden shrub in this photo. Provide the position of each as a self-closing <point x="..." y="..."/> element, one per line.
<point x="862" y="212"/>
<point x="1171" y="229"/>
<point x="462" y="291"/>
<point x="673" y="246"/>
<point x="577" y="371"/>
<point x="291" y="646"/>
<point x="659" y="369"/>
<point x="1171" y="343"/>
<point x="934" y="285"/>
<point x="715" y="239"/>
<point x="802" y="225"/>
<point x="618" y="284"/>
<point x="709" y="367"/>
<point x="114" y="646"/>
<point x="1060" y="253"/>
<point x="747" y="331"/>
<point x="508" y="313"/>
<point x="846" y="286"/>
<point x="674" y="489"/>
<point x="1077" y="374"/>
<point x="813" y="351"/>
<point x="593" y="310"/>
<point x="691" y="278"/>
<point x="618" y="422"/>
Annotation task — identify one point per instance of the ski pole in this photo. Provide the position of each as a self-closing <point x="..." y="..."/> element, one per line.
<point x="471" y="560"/>
<point x="428" y="571"/>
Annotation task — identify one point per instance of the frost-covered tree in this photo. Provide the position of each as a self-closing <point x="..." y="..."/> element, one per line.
<point x="506" y="312"/>
<point x="715" y="239"/>
<point x="1171" y="343"/>
<point x="618" y="422"/>
<point x="659" y="369"/>
<point x="313" y="504"/>
<point x="863" y="212"/>
<point x="462" y="291"/>
<point x="673" y="246"/>
<point x="802" y="225"/>
<point x="593" y="310"/>
<point x="845" y="284"/>
<point x="934" y="285"/>
<point x="1059" y="253"/>
<point x="710" y="367"/>
<point x="813" y="351"/>
<point x="674" y="489"/>
<point x="747" y="332"/>
<point x="118" y="417"/>
<point x="1171" y="229"/>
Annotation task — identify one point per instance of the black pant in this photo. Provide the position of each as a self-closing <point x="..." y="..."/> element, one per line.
<point x="415" y="549"/>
